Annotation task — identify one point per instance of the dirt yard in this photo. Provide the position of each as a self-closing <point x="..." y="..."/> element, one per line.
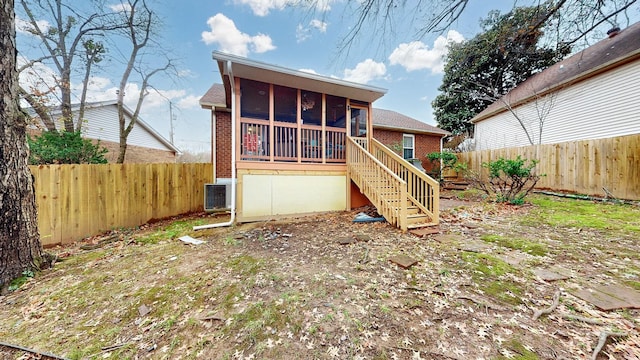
<point x="323" y="287"/>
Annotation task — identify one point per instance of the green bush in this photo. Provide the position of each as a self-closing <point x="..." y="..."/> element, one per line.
<point x="448" y="159"/>
<point x="509" y="180"/>
<point x="53" y="147"/>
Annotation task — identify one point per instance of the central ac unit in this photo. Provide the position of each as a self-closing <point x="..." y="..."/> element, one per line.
<point x="217" y="197"/>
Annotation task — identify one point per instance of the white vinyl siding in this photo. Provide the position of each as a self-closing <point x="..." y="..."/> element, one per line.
<point x="102" y="123"/>
<point x="601" y="107"/>
<point x="408" y="146"/>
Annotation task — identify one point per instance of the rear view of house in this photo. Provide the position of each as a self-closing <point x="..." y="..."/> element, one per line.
<point x="291" y="143"/>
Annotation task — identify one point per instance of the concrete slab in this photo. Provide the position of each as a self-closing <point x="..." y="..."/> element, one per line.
<point x="610" y="297"/>
<point x="513" y="258"/>
<point x="548" y="275"/>
<point x="446" y="238"/>
<point x="403" y="261"/>
<point x="346" y="240"/>
<point x="627" y="294"/>
<point x="476" y="247"/>
<point x="363" y="237"/>
<point x="553" y="273"/>
<point x="425" y="231"/>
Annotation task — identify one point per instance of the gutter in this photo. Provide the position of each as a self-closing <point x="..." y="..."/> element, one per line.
<point x="229" y="72"/>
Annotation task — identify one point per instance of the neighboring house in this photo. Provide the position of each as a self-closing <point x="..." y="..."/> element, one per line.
<point x="590" y="95"/>
<point x="412" y="138"/>
<point x="144" y="144"/>
<point x="290" y="143"/>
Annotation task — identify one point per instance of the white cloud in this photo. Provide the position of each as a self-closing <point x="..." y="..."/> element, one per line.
<point x="310" y="71"/>
<point x="320" y="25"/>
<point x="38" y="77"/>
<point x="417" y="56"/>
<point x="190" y="101"/>
<point x="23" y="26"/>
<point x="263" y="7"/>
<point x="303" y="33"/>
<point x="229" y="39"/>
<point x="122" y="7"/>
<point x="365" y="71"/>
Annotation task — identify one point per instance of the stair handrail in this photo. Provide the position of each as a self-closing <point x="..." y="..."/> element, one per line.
<point x="397" y="215"/>
<point x="429" y="203"/>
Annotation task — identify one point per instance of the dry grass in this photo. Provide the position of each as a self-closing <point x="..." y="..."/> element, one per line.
<point x="289" y="290"/>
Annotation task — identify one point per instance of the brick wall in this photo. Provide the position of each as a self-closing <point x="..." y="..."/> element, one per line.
<point x="222" y="157"/>
<point x="138" y="154"/>
<point x="424" y="143"/>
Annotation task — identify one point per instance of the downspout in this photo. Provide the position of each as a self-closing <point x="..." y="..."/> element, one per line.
<point x="229" y="72"/>
<point x="441" y="167"/>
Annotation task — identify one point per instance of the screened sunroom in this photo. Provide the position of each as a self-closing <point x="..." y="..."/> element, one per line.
<point x="287" y="124"/>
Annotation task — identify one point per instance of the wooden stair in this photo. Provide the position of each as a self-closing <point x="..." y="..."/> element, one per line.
<point x="405" y="196"/>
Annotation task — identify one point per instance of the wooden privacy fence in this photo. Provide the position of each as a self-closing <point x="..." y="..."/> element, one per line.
<point x="582" y="167"/>
<point x="76" y="201"/>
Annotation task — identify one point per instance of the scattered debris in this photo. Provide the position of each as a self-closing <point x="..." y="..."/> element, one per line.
<point x="365" y="258"/>
<point x="602" y="340"/>
<point x="554" y="305"/>
<point x="189" y="240"/>
<point x="213" y="317"/>
<point x="582" y="319"/>
<point x="403" y="261"/>
<point x="34" y="354"/>
<point x="364" y="218"/>
<point x="114" y="347"/>
<point x="143" y="310"/>
<point x="485" y="304"/>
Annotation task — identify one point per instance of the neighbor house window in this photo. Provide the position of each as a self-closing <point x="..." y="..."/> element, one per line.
<point x="408" y="146"/>
<point x="254" y="101"/>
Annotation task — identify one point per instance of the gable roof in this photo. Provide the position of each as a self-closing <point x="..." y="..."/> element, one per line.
<point x="249" y="69"/>
<point x="56" y="110"/>
<point x="601" y="57"/>
<point x="391" y="120"/>
<point x="215" y="97"/>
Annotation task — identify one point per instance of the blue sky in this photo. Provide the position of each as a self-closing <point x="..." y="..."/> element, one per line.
<point x="299" y="38"/>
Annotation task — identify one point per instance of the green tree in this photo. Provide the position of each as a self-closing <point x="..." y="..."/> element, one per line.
<point x="64" y="147"/>
<point x="482" y="69"/>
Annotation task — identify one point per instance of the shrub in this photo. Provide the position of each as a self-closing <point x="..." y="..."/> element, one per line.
<point x="53" y="147"/>
<point x="509" y="180"/>
<point x="448" y="159"/>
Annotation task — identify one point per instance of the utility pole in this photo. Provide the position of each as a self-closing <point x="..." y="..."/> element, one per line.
<point x="170" y="122"/>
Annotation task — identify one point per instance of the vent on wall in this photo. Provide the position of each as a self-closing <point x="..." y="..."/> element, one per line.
<point x="216" y="197"/>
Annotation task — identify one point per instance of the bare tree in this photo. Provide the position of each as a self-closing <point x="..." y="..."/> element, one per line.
<point x="533" y="126"/>
<point x="140" y="20"/>
<point x="20" y="247"/>
<point x="573" y="20"/>
<point x="69" y="36"/>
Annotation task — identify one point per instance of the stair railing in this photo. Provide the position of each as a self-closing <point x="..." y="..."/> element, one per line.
<point x="423" y="190"/>
<point x="386" y="190"/>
